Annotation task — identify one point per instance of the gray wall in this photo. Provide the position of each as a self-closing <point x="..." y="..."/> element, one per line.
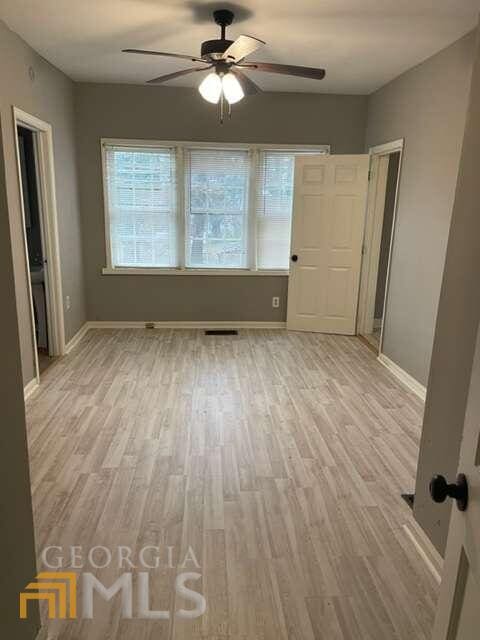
<point x="455" y="335"/>
<point x="163" y="113"/>
<point x="50" y="97"/>
<point x="16" y="529"/>
<point x="426" y="106"/>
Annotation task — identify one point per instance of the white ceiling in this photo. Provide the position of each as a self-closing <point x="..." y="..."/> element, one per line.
<point x="362" y="43"/>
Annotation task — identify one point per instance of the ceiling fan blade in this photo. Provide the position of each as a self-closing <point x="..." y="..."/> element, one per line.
<point x="163" y="53"/>
<point x="249" y="87"/>
<point x="242" y="47"/>
<point x="286" y="69"/>
<point x="177" y="74"/>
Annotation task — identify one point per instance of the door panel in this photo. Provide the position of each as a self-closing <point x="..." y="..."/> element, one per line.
<point x="342" y="222"/>
<point x="307" y="303"/>
<point x="458" y="611"/>
<point x="313" y="214"/>
<point x="327" y="235"/>
<point x="338" y="283"/>
<point x="468" y="625"/>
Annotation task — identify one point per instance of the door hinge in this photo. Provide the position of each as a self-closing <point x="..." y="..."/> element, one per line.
<point x="369" y="175"/>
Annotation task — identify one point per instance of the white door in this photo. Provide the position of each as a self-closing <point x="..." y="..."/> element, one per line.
<point x="458" y="610"/>
<point x="329" y="206"/>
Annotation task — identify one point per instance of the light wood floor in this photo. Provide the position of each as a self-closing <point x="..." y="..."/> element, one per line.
<point x="373" y="338"/>
<point x="44" y="361"/>
<point x="278" y="457"/>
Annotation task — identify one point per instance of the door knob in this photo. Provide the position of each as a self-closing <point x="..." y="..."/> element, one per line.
<point x="294" y="258"/>
<point x="440" y="490"/>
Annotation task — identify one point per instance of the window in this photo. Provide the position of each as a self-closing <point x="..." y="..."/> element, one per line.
<point x="274" y="209"/>
<point x="216" y="204"/>
<point x="194" y="207"/>
<point x="141" y="207"/>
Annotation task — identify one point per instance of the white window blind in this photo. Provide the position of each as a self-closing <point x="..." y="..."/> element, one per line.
<point x="274" y="201"/>
<point x="141" y="191"/>
<point x="216" y="203"/>
<point x="274" y="206"/>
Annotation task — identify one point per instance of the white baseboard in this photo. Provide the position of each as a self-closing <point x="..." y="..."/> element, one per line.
<point x="30" y="388"/>
<point x="404" y="377"/>
<point x="185" y="324"/>
<point x="71" y="344"/>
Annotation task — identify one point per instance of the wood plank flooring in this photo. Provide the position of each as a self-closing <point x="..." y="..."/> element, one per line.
<point x="278" y="457"/>
<point x="373" y="339"/>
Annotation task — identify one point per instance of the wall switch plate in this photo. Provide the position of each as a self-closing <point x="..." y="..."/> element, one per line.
<point x="68" y="303"/>
<point x="275" y="302"/>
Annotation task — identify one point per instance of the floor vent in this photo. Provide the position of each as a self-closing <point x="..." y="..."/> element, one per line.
<point x="409" y="499"/>
<point x="221" y="332"/>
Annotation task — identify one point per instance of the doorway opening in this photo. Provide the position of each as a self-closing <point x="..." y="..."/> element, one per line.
<point x="34" y="238"/>
<point x="34" y="147"/>
<point x="385" y="166"/>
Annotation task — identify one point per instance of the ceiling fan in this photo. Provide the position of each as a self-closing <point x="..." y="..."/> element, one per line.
<point x="228" y="81"/>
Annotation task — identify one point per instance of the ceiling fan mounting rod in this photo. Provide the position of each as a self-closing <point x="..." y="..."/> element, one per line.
<point x="224" y="18"/>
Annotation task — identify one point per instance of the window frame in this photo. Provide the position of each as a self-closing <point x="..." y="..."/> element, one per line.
<point x="180" y="147"/>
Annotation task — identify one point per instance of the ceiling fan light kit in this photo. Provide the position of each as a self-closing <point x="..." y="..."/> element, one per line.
<point x="221" y="83"/>
<point x="228" y="82"/>
<point x="211" y="88"/>
<point x="232" y="89"/>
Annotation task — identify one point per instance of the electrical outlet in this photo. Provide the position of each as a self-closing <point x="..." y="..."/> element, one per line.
<point x="275" y="302"/>
<point x="68" y="303"/>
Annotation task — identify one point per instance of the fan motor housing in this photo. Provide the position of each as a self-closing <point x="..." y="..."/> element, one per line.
<point x="214" y="49"/>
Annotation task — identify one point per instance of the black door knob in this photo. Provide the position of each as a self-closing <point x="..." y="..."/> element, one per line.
<point x="294" y="258"/>
<point x="440" y="490"/>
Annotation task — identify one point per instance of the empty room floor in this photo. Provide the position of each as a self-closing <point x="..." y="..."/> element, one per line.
<point x="277" y="458"/>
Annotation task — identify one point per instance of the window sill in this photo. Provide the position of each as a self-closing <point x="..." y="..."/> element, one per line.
<point x="133" y="271"/>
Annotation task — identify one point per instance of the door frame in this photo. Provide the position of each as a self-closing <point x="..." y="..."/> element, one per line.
<point x="43" y="145"/>
<point x="373" y="226"/>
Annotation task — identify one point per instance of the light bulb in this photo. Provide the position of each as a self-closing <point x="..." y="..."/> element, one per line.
<point x="211" y="88"/>
<point x="232" y="89"/>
